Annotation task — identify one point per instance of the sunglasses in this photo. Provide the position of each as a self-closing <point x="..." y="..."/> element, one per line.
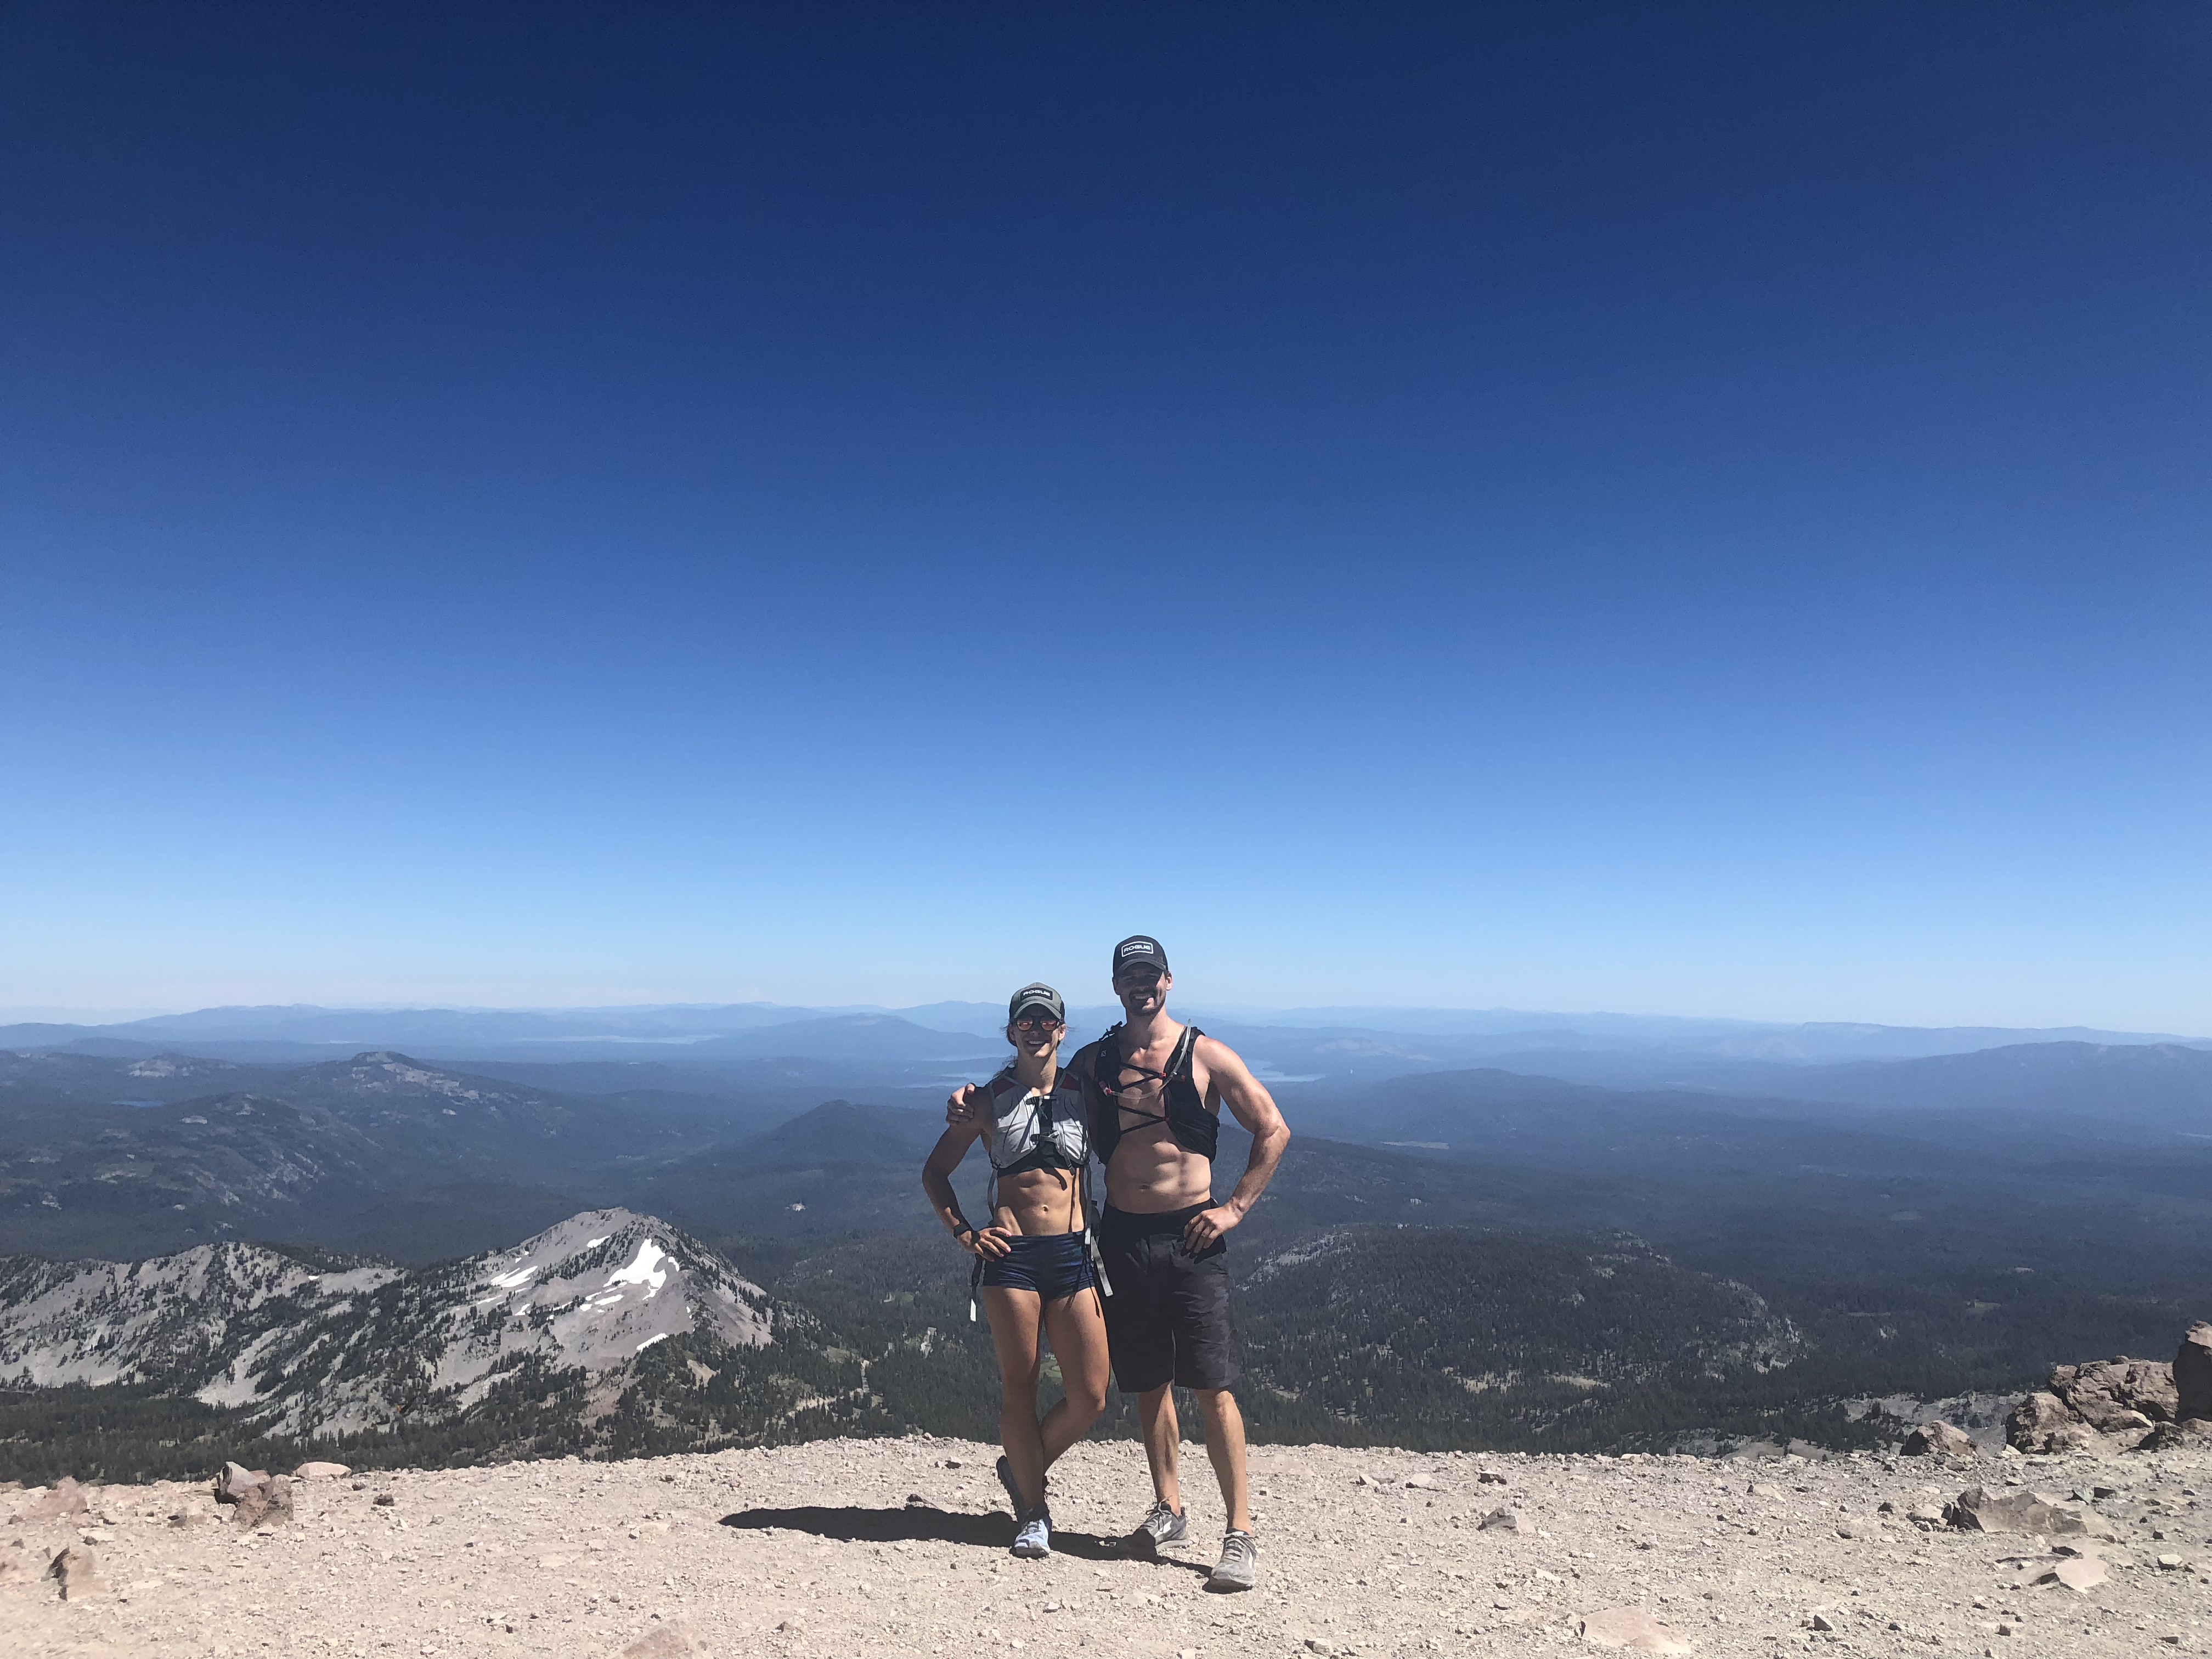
<point x="1034" y="1022"/>
<point x="1140" y="979"/>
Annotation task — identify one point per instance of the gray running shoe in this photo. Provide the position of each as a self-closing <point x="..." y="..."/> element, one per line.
<point x="1161" y="1525"/>
<point x="1035" y="1538"/>
<point x="1240" y="1563"/>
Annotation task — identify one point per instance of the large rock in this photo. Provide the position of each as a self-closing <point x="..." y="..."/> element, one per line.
<point x="321" y="1472"/>
<point x="2191" y="1434"/>
<point x="2115" y="1396"/>
<point x="269" y="1504"/>
<point x="77" y="1569"/>
<point x="66" y="1498"/>
<point x="2192" y="1374"/>
<point x="1938" y="1440"/>
<point x="2082" y="1574"/>
<point x="2041" y="1423"/>
<point x="235" y="1480"/>
<point x="1979" y="1510"/>
<point x="678" y="1640"/>
<point x="1628" y="1627"/>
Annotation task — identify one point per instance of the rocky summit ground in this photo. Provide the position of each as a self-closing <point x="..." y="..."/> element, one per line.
<point x="844" y="1549"/>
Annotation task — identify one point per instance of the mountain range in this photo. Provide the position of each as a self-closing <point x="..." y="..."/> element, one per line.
<point x="612" y="1332"/>
<point x="734" y="1040"/>
<point x="1450" y="1254"/>
<point x="317" y="1346"/>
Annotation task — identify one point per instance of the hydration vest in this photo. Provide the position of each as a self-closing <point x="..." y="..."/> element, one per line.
<point x="1033" y="1131"/>
<point x="1182" y="1108"/>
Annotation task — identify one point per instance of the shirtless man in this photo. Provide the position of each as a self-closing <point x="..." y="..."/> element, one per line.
<point x="1154" y="1090"/>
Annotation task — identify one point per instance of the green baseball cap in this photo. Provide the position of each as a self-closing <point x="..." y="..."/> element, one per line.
<point x="1036" y="996"/>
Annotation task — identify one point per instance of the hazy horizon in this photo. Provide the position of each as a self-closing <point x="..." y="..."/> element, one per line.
<point x="62" y="1016"/>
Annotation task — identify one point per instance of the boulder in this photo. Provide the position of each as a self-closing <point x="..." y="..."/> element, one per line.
<point x="2194" y="1433"/>
<point x="269" y="1504"/>
<point x="321" y="1472"/>
<point x="235" y="1480"/>
<point x="2081" y="1575"/>
<point x="1502" y="1521"/>
<point x="2192" y="1375"/>
<point x="1628" y="1627"/>
<point x="66" y="1498"/>
<point x="1938" y="1440"/>
<point x="1979" y="1510"/>
<point x="77" y="1569"/>
<point x="2116" y="1395"/>
<point x="678" y="1640"/>
<point x="2041" y="1423"/>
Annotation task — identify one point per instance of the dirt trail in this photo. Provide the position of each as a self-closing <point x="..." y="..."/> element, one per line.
<point x="823" y="1552"/>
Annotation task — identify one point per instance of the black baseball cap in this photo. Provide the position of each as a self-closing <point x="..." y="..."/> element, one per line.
<point x="1138" y="950"/>
<point x="1036" y="996"/>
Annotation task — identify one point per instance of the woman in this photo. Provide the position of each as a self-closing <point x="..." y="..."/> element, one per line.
<point x="1032" y="1255"/>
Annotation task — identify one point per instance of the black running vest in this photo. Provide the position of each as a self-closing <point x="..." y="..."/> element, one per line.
<point x="1195" y="1129"/>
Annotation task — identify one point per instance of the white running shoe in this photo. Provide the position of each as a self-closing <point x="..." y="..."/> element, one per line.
<point x="1035" y="1538"/>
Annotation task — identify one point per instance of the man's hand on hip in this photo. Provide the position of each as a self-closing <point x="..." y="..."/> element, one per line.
<point x="1206" y="1229"/>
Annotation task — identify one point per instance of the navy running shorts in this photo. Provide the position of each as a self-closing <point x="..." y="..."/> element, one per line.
<point x="1054" y="1265"/>
<point x="1168" y="1319"/>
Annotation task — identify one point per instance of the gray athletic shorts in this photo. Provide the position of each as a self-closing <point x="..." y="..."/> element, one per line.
<point x="1168" y="1320"/>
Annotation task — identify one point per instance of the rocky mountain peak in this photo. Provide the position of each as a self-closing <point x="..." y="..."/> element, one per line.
<point x="384" y="1070"/>
<point x="608" y="1284"/>
<point x="342" y="1345"/>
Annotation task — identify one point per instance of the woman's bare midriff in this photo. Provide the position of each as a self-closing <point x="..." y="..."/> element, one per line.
<point x="1037" y="1202"/>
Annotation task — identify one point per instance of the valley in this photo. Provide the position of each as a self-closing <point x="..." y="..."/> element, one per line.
<point x="1450" y="1258"/>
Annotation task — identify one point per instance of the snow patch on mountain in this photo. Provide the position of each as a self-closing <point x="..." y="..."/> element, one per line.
<point x="331" y="1351"/>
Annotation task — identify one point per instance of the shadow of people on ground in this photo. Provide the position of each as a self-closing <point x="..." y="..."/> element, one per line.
<point x="925" y="1523"/>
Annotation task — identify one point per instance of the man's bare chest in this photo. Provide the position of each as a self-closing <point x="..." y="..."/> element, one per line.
<point x="1141" y="1089"/>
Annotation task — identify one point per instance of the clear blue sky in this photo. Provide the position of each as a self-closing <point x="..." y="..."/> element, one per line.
<point x="1693" y="509"/>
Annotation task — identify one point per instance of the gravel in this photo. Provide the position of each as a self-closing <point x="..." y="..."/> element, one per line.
<point x="842" y="1549"/>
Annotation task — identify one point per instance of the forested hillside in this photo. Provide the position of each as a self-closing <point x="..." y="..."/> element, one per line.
<point x="1532" y="1264"/>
